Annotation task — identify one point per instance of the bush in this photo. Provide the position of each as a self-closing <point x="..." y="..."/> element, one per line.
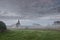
<point x="2" y="26"/>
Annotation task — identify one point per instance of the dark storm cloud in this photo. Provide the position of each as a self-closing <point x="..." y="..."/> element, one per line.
<point x="29" y="8"/>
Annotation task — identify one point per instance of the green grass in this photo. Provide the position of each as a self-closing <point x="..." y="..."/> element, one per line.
<point x="30" y="35"/>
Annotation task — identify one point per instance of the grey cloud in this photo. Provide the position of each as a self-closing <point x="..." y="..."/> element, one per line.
<point x="29" y="8"/>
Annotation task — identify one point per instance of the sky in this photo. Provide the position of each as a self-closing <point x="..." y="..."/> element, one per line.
<point x="43" y="12"/>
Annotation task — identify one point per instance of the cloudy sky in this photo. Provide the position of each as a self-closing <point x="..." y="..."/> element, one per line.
<point x="29" y="11"/>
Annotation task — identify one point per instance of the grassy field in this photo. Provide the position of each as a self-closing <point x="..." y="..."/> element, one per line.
<point x="30" y="35"/>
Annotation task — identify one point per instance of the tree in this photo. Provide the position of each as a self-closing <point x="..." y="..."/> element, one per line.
<point x="56" y="22"/>
<point x="2" y="26"/>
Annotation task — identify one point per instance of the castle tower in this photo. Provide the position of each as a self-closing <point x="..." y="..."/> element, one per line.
<point x="18" y="24"/>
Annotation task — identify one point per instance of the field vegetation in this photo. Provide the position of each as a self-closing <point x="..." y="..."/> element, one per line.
<point x="30" y="35"/>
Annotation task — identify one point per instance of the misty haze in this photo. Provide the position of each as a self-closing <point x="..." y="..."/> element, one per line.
<point x="31" y="16"/>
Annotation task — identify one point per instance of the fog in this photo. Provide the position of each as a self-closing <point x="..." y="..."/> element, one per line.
<point x="43" y="12"/>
